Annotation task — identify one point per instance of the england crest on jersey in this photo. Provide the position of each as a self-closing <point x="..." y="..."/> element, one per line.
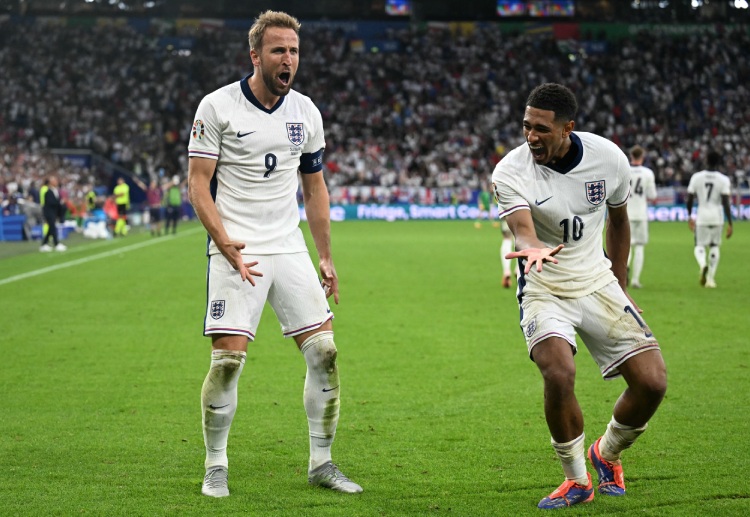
<point x="296" y="132"/>
<point x="595" y="192"/>
<point x="217" y="309"/>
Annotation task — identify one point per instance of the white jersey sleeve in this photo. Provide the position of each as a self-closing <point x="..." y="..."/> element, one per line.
<point x="568" y="207"/>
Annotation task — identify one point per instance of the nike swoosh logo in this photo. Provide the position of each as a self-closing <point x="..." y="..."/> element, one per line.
<point x="240" y="135"/>
<point x="326" y="390"/>
<point x="540" y="203"/>
<point x="217" y="407"/>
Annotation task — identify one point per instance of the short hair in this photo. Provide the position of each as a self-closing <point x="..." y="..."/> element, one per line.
<point x="554" y="97"/>
<point x="713" y="159"/>
<point x="270" y="19"/>
<point x="637" y="152"/>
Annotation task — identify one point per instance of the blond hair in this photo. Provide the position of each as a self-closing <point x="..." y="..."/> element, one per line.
<point x="637" y="152"/>
<point x="270" y="19"/>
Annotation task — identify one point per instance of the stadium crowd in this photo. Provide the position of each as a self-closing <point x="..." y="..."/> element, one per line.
<point x="425" y="123"/>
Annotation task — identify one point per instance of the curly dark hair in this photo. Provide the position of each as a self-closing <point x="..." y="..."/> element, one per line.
<point x="554" y="97"/>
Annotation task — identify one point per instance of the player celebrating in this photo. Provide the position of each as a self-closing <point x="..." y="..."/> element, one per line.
<point x="256" y="134"/>
<point x="553" y="192"/>
<point x="642" y="190"/>
<point x="712" y="189"/>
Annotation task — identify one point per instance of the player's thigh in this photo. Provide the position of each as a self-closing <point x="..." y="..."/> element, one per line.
<point x="612" y="329"/>
<point x="234" y="306"/>
<point x="547" y="316"/>
<point x="639" y="232"/>
<point x="708" y="235"/>
<point x="296" y="294"/>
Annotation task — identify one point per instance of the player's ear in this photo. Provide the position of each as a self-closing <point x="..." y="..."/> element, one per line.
<point x="568" y="128"/>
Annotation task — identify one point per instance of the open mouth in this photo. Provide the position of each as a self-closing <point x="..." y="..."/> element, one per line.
<point x="537" y="150"/>
<point x="285" y="77"/>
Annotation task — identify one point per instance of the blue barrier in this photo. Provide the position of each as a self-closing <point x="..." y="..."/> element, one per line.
<point x="11" y="227"/>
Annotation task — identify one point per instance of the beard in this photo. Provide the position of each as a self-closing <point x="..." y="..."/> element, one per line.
<point x="273" y="85"/>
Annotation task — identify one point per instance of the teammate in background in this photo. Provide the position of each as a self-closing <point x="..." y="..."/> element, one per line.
<point x="154" y="198"/>
<point x="483" y="207"/>
<point x="712" y="189"/>
<point x="122" y="200"/>
<point x="173" y="198"/>
<point x="642" y="190"/>
<point x="257" y="134"/>
<point x="52" y="210"/>
<point x="554" y="192"/>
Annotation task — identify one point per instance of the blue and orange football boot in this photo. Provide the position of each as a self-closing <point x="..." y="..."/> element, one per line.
<point x="568" y="494"/>
<point x="611" y="479"/>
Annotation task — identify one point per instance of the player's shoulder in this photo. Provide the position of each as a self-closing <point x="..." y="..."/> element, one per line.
<point x="516" y="160"/>
<point x="592" y="140"/>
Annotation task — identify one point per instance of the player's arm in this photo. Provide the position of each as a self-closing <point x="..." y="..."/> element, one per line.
<point x="318" y="210"/>
<point x="530" y="247"/>
<point x="200" y="172"/>
<point x="727" y="213"/>
<point x="689" y="205"/>
<point x="618" y="242"/>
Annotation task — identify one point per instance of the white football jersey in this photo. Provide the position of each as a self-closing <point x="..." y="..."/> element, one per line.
<point x="568" y="208"/>
<point x="708" y="187"/>
<point x="642" y="190"/>
<point x="258" y="152"/>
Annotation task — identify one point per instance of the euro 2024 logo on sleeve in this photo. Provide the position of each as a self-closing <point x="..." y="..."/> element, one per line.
<point x="296" y="132"/>
<point x="217" y="309"/>
<point x="595" y="192"/>
<point x="198" y="130"/>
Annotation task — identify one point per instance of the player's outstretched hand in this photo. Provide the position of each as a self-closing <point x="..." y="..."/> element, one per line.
<point x="231" y="250"/>
<point x="330" y="280"/>
<point x="536" y="256"/>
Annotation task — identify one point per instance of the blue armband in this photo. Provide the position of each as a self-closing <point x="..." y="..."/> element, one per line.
<point x="311" y="162"/>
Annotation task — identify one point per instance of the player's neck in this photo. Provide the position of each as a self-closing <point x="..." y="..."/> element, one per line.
<point x="266" y="98"/>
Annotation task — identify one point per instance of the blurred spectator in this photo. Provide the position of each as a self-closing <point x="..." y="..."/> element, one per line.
<point x="435" y="115"/>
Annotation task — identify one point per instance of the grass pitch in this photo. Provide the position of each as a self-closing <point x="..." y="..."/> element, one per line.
<point x="103" y="362"/>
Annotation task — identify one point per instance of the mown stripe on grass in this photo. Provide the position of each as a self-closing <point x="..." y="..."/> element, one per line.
<point x="84" y="260"/>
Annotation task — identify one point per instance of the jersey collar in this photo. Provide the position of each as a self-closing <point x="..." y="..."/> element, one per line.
<point x="572" y="158"/>
<point x="250" y="96"/>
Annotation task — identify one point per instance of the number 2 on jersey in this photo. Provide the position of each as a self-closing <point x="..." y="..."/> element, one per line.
<point x="270" y="164"/>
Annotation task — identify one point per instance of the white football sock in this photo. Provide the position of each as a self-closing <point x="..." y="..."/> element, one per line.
<point x="617" y="438"/>
<point x="638" y="254"/>
<point x="219" y="403"/>
<point x="713" y="261"/>
<point x="573" y="457"/>
<point x="321" y="396"/>
<point x="700" y="256"/>
<point x="505" y="248"/>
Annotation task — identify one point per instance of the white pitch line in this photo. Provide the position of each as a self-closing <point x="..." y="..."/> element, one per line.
<point x="106" y="254"/>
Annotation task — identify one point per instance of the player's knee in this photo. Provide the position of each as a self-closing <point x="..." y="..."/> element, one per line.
<point x="654" y="387"/>
<point x="559" y="378"/>
<point x="320" y="350"/>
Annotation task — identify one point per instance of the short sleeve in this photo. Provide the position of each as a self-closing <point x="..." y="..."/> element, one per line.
<point x="317" y="141"/>
<point x="205" y="135"/>
<point x="507" y="196"/>
<point x="621" y="192"/>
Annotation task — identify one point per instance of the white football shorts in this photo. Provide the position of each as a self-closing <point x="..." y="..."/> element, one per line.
<point x="706" y="235"/>
<point x="289" y="283"/>
<point x="638" y="232"/>
<point x="607" y="323"/>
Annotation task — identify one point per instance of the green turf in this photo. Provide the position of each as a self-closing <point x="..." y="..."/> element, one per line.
<point x="441" y="414"/>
